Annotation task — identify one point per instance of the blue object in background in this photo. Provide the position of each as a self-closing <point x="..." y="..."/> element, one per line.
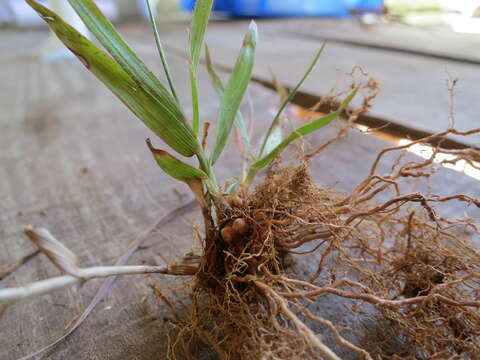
<point x="250" y="8"/>
<point x="219" y="5"/>
<point x="276" y="8"/>
<point x="365" y="5"/>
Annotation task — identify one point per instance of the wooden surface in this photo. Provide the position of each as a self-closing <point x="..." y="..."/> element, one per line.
<point x="73" y="159"/>
<point x="414" y="87"/>
<point x="429" y="42"/>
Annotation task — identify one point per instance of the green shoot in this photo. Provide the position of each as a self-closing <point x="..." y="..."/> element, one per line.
<point x="201" y="14"/>
<point x="220" y="89"/>
<point x="288" y="99"/>
<point x="137" y="87"/>
<point x="297" y="134"/>
<point x="235" y="91"/>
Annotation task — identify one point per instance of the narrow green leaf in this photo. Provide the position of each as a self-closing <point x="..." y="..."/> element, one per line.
<point x="298" y="133"/>
<point x="235" y="91"/>
<point x="174" y="167"/>
<point x="109" y="37"/>
<point x="220" y="89"/>
<point x="289" y="98"/>
<point x="195" y="103"/>
<point x="142" y="104"/>
<point x="161" y="52"/>
<point x="201" y="15"/>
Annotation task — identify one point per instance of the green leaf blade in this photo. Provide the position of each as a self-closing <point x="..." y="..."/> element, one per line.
<point x="109" y="37"/>
<point x="298" y="133"/>
<point x="201" y="15"/>
<point x="289" y="98"/>
<point x="235" y="91"/>
<point x="220" y="89"/>
<point x="195" y="102"/>
<point x="174" y="167"/>
<point x="140" y="102"/>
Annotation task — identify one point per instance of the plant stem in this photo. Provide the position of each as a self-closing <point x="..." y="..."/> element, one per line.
<point x="248" y="179"/>
<point x="211" y="182"/>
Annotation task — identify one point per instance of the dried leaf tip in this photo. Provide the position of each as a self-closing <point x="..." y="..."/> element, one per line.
<point x="61" y="256"/>
<point x="175" y="167"/>
<point x="251" y="38"/>
<point x="155" y="151"/>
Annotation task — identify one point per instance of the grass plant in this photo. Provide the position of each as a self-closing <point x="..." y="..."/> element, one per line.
<point x="417" y="269"/>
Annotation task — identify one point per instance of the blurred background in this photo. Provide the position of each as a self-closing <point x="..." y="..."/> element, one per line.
<point x="457" y="15"/>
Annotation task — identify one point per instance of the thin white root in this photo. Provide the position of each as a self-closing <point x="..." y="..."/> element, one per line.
<point x="309" y="334"/>
<point x="66" y="261"/>
<point x="8" y="295"/>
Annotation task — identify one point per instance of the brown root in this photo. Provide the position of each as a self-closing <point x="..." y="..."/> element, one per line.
<point x="398" y="261"/>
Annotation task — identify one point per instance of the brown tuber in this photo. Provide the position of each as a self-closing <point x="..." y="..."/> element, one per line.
<point x="240" y="226"/>
<point x="234" y="230"/>
<point x="228" y="234"/>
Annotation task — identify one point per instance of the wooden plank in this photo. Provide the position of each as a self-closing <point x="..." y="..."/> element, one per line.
<point x="431" y="42"/>
<point x="73" y="159"/>
<point x="413" y="88"/>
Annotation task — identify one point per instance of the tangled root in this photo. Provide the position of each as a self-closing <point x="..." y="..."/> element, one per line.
<point x="397" y="261"/>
